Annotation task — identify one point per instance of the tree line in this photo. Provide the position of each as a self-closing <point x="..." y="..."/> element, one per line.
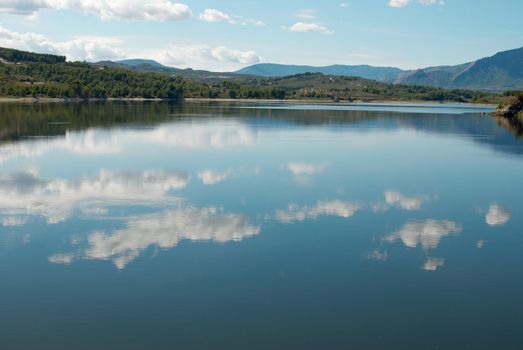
<point x="81" y="80"/>
<point x="26" y="74"/>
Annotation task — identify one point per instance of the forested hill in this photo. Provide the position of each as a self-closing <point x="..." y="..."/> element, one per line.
<point x="17" y="56"/>
<point x="331" y="87"/>
<point x="25" y="74"/>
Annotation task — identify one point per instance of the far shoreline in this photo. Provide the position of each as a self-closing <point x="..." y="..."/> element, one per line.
<point x="35" y="100"/>
<point x="341" y="102"/>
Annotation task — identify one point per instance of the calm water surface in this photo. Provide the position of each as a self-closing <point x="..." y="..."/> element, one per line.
<point x="246" y="226"/>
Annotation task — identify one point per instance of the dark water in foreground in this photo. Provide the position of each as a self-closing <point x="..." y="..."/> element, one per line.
<point x="215" y="226"/>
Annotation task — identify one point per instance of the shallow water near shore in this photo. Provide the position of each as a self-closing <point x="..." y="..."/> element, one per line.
<point x="134" y="225"/>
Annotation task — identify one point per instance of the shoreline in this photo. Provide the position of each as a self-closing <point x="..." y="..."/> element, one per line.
<point x="74" y="100"/>
<point x="223" y="100"/>
<point x="331" y="102"/>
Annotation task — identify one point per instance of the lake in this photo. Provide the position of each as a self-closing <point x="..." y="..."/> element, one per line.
<point x="127" y="225"/>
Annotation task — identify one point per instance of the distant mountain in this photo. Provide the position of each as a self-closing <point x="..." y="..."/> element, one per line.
<point x="138" y="61"/>
<point x="33" y="75"/>
<point x="503" y="71"/>
<point x="382" y="74"/>
<point x="151" y="66"/>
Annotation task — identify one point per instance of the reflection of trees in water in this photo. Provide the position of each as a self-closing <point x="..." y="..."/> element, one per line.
<point x="513" y="124"/>
<point x="20" y="121"/>
<point x="53" y="119"/>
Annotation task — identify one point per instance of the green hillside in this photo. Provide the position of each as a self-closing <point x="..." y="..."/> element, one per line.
<point x="150" y="66"/>
<point x="331" y="87"/>
<point x="24" y="74"/>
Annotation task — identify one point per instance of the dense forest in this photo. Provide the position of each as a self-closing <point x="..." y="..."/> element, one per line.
<point x="330" y="87"/>
<point x="17" y="56"/>
<point x="81" y="80"/>
<point x="25" y="74"/>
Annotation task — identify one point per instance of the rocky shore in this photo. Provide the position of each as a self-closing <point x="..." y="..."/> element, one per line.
<point x="514" y="109"/>
<point x="511" y="115"/>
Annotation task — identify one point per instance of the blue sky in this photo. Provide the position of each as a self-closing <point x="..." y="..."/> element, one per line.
<point x="229" y="34"/>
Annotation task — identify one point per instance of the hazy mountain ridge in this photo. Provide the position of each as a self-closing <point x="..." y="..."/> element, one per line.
<point x="151" y="66"/>
<point x="383" y="74"/>
<point x="133" y="62"/>
<point x="26" y="74"/>
<point x="503" y="71"/>
<point x="500" y="72"/>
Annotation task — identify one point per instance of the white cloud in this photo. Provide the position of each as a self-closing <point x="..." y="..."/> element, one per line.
<point x="302" y="27"/>
<point x="150" y="10"/>
<point x="92" y="48"/>
<point x="431" y="2"/>
<point x="204" y="56"/>
<point x="301" y="168"/>
<point x="399" y="3"/>
<point x="250" y="21"/>
<point x="164" y="230"/>
<point x="344" y="4"/>
<point x="432" y="264"/>
<point x="296" y="213"/>
<point x="212" y="177"/>
<point x="29" y="194"/>
<point x="80" y="48"/>
<point x="427" y="233"/>
<point x="89" y="49"/>
<point x="224" y="54"/>
<point x="497" y="215"/>
<point x="306" y="14"/>
<point x="403" y="3"/>
<point x="214" y="15"/>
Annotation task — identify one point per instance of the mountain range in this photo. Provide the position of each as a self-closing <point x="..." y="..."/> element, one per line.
<point x="151" y="66"/>
<point x="500" y="72"/>
<point x="383" y="74"/>
<point x="503" y="71"/>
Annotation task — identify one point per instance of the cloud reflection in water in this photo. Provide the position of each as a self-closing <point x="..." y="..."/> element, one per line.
<point x="296" y="213"/>
<point x="302" y="168"/>
<point x="30" y="194"/>
<point x="497" y="215"/>
<point x="426" y="233"/>
<point x="164" y="230"/>
<point x="432" y="264"/>
<point x="398" y="200"/>
<point x="100" y="142"/>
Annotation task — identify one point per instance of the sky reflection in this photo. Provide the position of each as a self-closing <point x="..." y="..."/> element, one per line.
<point x="127" y="188"/>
